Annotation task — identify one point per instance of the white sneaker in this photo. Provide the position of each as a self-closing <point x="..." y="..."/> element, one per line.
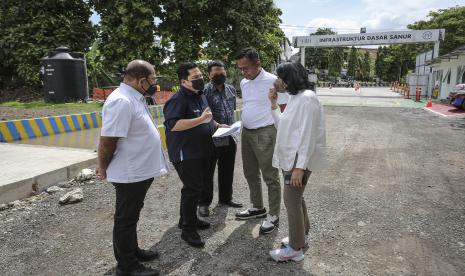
<point x="269" y="224"/>
<point x="287" y="254"/>
<point x="285" y="241"/>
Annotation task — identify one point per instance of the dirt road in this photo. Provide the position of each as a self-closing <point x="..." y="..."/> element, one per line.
<point x="391" y="202"/>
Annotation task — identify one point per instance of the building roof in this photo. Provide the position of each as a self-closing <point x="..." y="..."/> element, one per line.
<point x="454" y="54"/>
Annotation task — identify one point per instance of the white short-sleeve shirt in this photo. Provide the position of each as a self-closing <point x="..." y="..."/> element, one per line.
<point x="139" y="154"/>
<point x="256" y="112"/>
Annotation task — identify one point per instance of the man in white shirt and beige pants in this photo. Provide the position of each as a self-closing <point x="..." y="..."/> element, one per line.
<point x="258" y="140"/>
<point x="130" y="156"/>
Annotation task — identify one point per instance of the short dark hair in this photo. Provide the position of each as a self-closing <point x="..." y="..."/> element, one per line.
<point x="214" y="63"/>
<point x="183" y="70"/>
<point x="250" y="53"/>
<point x="295" y="76"/>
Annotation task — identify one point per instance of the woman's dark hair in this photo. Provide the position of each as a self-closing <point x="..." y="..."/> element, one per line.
<point x="295" y="76"/>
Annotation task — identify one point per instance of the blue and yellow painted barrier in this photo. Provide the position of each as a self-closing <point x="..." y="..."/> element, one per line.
<point x="156" y="111"/>
<point x="38" y="127"/>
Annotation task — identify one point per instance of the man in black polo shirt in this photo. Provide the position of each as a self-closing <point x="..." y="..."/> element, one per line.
<point x="189" y="128"/>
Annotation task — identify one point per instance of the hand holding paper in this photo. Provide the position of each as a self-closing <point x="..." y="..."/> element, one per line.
<point x="226" y="131"/>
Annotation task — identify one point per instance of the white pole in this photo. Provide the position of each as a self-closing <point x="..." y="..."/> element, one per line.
<point x="436" y="49"/>
<point x="302" y="56"/>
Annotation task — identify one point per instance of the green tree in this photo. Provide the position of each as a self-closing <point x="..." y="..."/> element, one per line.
<point x="318" y="58"/>
<point x="365" y="66"/>
<point x="127" y="32"/>
<point x="380" y="63"/>
<point x="397" y="60"/>
<point x="452" y="19"/>
<point x="353" y="66"/>
<point x="30" y="29"/>
<point x="336" y="61"/>
<point x="202" y="29"/>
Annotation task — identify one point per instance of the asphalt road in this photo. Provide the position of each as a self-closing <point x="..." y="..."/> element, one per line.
<point x="391" y="202"/>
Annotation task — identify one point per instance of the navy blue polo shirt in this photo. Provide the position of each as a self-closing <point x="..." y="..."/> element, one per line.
<point x="194" y="143"/>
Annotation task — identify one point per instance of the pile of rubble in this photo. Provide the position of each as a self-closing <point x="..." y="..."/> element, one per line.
<point x="72" y="193"/>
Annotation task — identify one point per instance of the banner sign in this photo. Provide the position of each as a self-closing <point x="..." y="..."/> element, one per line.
<point x="398" y="37"/>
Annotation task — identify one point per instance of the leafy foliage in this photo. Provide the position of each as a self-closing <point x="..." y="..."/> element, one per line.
<point x="336" y="61"/>
<point x="353" y="66"/>
<point x="365" y="66"/>
<point x="452" y="19"/>
<point x="318" y="58"/>
<point x="29" y="29"/>
<point x="127" y="31"/>
<point x="202" y="29"/>
<point x="395" y="61"/>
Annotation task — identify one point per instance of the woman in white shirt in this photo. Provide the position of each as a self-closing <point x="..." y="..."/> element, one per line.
<point x="299" y="150"/>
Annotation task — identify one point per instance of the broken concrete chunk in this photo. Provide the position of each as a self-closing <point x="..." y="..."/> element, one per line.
<point x="74" y="196"/>
<point x="85" y="174"/>
<point x="54" y="189"/>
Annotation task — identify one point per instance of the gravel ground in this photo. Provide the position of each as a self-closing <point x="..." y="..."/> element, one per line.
<point x="392" y="202"/>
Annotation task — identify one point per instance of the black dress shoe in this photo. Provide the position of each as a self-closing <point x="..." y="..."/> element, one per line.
<point x="232" y="204"/>
<point x="204" y="211"/>
<point x="192" y="238"/>
<point x="146" y="255"/>
<point x="140" y="270"/>
<point x="201" y="224"/>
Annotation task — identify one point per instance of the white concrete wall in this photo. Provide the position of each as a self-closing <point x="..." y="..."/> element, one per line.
<point x="445" y="65"/>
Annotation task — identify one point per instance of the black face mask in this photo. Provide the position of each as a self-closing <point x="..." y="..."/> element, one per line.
<point x="198" y="84"/>
<point x="219" y="79"/>
<point x="151" y="90"/>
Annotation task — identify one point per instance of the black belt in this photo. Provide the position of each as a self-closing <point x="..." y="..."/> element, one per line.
<point x="252" y="129"/>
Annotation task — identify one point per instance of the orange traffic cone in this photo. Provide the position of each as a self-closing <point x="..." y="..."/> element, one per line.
<point x="429" y="103"/>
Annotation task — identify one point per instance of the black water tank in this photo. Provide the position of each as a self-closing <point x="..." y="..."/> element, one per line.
<point x="64" y="76"/>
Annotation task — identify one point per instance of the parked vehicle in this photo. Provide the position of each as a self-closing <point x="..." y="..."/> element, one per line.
<point x="457" y="96"/>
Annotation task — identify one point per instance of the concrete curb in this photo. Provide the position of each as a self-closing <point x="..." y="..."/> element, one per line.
<point x="27" y="187"/>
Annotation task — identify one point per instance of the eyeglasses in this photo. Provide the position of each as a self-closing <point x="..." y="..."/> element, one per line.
<point x="154" y="79"/>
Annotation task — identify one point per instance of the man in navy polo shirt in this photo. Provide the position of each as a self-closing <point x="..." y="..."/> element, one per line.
<point x="189" y="128"/>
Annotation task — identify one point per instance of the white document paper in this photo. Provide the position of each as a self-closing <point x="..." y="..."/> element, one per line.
<point x="234" y="130"/>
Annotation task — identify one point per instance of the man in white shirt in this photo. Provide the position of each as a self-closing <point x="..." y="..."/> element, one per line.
<point x="258" y="140"/>
<point x="130" y="155"/>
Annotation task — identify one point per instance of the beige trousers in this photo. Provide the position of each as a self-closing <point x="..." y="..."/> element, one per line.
<point x="297" y="215"/>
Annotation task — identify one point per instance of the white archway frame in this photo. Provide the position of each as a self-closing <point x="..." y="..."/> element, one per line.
<point x="381" y="38"/>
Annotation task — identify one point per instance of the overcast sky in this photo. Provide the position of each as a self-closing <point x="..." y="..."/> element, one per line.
<point x="301" y="17"/>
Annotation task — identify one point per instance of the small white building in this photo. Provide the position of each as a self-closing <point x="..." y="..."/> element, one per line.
<point x="448" y="71"/>
<point x="422" y="77"/>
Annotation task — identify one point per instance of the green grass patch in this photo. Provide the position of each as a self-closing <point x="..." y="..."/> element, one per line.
<point x="46" y="105"/>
